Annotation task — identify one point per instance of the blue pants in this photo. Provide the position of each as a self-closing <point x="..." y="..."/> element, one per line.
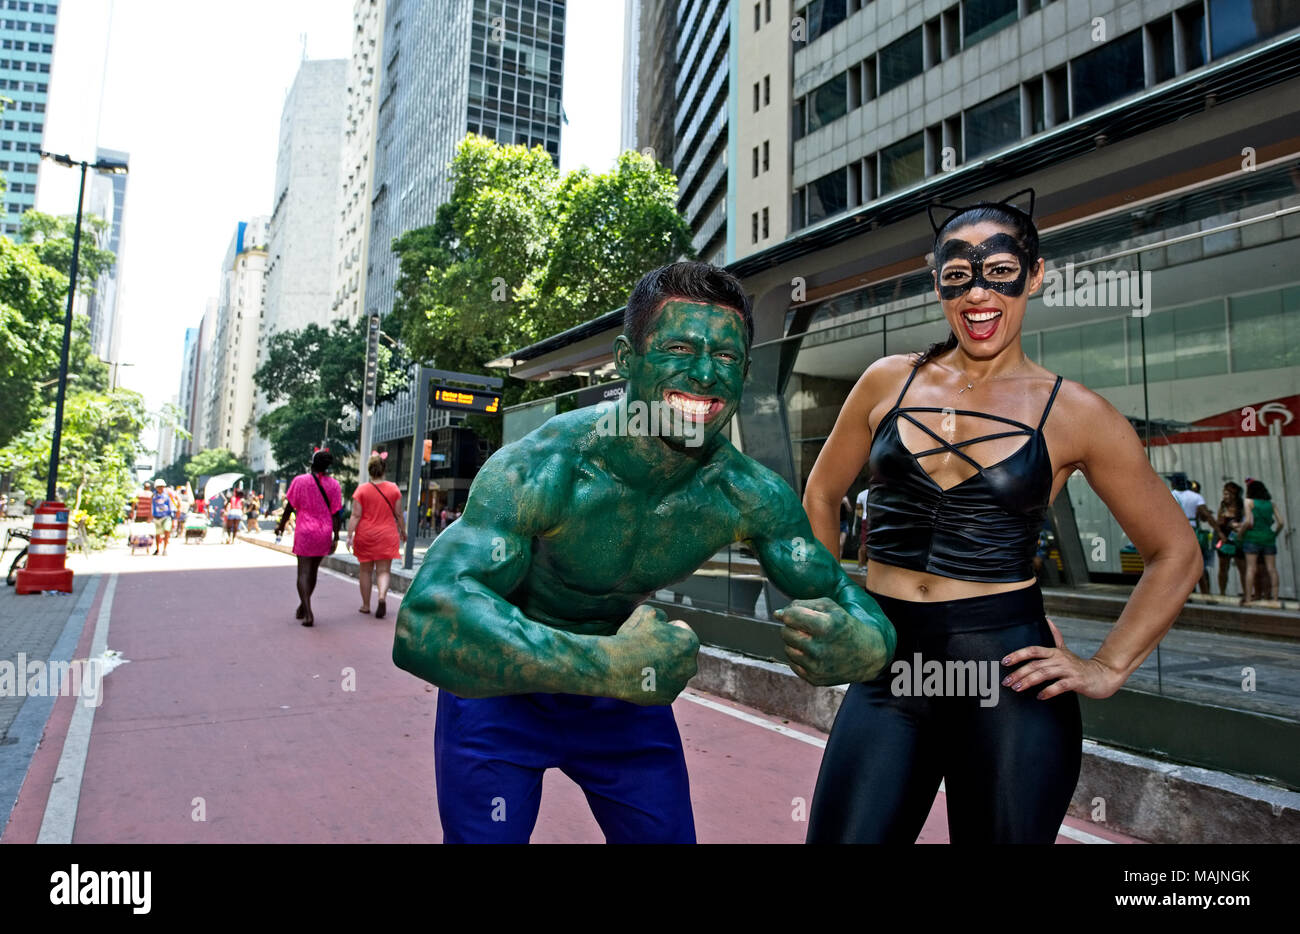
<point x="490" y="754"/>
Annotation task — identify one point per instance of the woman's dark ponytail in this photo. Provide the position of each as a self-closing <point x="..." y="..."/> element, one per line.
<point x="937" y="348"/>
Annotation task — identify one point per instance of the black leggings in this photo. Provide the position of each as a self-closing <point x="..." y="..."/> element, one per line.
<point x="1009" y="768"/>
<point x="307" y="568"/>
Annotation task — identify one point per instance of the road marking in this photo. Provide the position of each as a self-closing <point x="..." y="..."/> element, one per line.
<point x="1065" y="830"/>
<point x="757" y="721"/>
<point x="61" y="807"/>
<point x="1081" y="835"/>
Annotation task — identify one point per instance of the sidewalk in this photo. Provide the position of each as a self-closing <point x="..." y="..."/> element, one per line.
<point x="44" y="627"/>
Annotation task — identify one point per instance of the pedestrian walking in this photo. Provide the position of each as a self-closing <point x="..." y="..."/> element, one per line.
<point x="164" y="513"/>
<point x="1259" y="530"/>
<point x="314" y="499"/>
<point x="252" y="508"/>
<point x="864" y="526"/>
<point x="234" y="514"/>
<point x="958" y="496"/>
<point x="376" y="532"/>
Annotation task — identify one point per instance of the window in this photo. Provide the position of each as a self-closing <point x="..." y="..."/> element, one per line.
<point x="1161" y="33"/>
<point x="1108" y="73"/>
<point x="755" y="162"/>
<point x="1057" y="96"/>
<point x="755" y="97"/>
<point x="1036" y="120"/>
<point x="765" y="160"/>
<point x="1265" y="330"/>
<point x="767" y="90"/>
<point x="901" y="60"/>
<point x="753" y="218"/>
<point x="993" y="123"/>
<point x="985" y="17"/>
<point x="1192" y="20"/>
<point x="758" y="9"/>
<point x="827" y="195"/>
<point x="764" y="223"/>
<point x="767" y="11"/>
<point x="1235" y="25"/>
<point x="902" y="163"/>
<point x="823" y="15"/>
<point x="797" y="119"/>
<point x="828" y="102"/>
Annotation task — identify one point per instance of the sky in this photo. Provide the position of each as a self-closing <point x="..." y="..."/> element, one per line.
<point x="193" y="92"/>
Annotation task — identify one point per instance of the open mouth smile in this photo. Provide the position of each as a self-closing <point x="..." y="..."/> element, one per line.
<point x="695" y="408"/>
<point x="981" y="323"/>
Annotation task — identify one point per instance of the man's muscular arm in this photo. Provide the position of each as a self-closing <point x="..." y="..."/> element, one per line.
<point x="457" y="630"/>
<point x="834" y="633"/>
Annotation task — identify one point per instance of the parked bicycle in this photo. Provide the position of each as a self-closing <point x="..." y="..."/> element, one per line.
<point x="20" y="561"/>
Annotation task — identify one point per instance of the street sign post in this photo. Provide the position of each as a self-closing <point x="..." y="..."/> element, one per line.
<point x="474" y="394"/>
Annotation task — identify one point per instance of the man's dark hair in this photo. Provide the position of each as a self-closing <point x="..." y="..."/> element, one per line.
<point x="696" y="282"/>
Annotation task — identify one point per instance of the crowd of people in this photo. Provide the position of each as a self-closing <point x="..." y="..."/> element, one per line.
<point x="1243" y="533"/>
<point x="177" y="510"/>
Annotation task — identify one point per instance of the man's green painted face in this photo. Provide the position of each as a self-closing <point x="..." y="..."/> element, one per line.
<point x="693" y="366"/>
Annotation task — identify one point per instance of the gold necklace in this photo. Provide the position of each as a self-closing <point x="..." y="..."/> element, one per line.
<point x="990" y="379"/>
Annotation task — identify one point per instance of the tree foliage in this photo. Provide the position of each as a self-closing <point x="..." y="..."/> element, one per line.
<point x="31" y="320"/>
<point x="316" y="375"/>
<point x="51" y="238"/>
<point x="99" y="447"/>
<point x="518" y="253"/>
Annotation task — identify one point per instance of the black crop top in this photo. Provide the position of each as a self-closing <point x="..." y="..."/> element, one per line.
<point x="984" y="528"/>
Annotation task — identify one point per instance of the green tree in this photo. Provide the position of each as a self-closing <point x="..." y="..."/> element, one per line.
<point x="314" y="377"/>
<point x="31" y="319"/>
<point x="51" y="239"/>
<point x="99" y="446"/>
<point x="517" y="253"/>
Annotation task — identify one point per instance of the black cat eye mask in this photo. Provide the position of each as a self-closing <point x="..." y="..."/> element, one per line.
<point x="976" y="254"/>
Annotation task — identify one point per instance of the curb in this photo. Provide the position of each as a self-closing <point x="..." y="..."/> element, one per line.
<point x="1160" y="802"/>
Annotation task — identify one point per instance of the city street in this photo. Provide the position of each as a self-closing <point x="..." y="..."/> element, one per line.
<point x="227" y="710"/>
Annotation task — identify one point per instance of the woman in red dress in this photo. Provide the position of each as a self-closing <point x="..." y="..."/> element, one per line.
<point x="376" y="531"/>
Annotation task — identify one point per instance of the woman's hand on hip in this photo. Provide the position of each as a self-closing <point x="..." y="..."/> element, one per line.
<point x="1066" y="671"/>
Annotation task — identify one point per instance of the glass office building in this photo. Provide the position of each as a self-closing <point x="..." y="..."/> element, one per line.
<point x="26" y="50"/>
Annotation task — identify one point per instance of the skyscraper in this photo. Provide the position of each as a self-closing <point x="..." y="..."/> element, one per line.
<point x="303" y="230"/>
<point x="108" y="200"/>
<point x="26" y="49"/>
<point x="352" y="222"/>
<point x="485" y="67"/>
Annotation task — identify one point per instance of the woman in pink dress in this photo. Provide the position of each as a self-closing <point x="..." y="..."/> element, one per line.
<point x="315" y="497"/>
<point x="376" y="531"/>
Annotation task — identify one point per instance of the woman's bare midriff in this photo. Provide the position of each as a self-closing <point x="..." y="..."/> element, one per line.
<point x="904" y="584"/>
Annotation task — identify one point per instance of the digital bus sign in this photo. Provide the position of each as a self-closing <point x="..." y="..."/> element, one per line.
<point x="466" y="400"/>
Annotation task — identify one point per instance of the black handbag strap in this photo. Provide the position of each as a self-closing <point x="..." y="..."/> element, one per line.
<point x="320" y="486"/>
<point x="391" y="507"/>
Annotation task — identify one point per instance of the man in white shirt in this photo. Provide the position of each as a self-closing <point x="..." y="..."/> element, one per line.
<point x="1194" y="508"/>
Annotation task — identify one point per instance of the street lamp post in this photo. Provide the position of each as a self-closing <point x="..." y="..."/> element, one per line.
<point x="108" y="167"/>
<point x="46" y="569"/>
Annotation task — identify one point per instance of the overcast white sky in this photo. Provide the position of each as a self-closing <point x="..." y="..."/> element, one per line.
<point x="193" y="91"/>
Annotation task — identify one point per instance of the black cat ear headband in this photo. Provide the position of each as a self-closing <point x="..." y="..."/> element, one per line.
<point x="955" y="209"/>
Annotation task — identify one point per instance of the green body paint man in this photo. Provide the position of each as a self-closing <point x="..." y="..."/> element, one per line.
<point x="528" y="612"/>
